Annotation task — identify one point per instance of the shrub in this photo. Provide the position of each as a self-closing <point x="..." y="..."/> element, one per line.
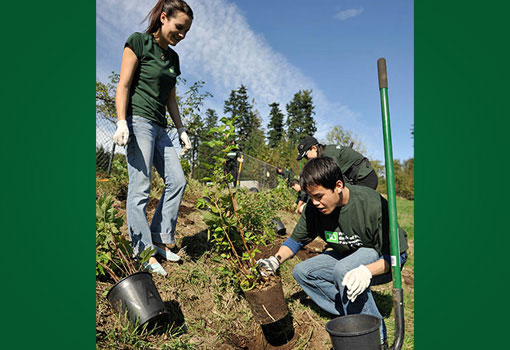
<point x="235" y="220"/>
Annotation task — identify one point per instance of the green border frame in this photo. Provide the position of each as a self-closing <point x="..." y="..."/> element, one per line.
<point x="461" y="141"/>
<point x="47" y="207"/>
<point x="461" y="78"/>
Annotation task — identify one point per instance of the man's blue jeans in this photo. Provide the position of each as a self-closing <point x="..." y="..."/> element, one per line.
<point x="150" y="145"/>
<point x="321" y="279"/>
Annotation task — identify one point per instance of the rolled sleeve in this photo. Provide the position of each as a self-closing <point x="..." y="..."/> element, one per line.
<point x="292" y="245"/>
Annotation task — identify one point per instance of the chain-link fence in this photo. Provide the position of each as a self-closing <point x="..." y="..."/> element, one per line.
<point x="105" y="148"/>
<point x="252" y="172"/>
<point x="256" y="173"/>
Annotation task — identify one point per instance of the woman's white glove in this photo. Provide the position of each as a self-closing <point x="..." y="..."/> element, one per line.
<point x="121" y="135"/>
<point x="356" y="281"/>
<point x="185" y="142"/>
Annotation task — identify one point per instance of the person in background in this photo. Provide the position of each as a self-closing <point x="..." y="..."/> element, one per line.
<point x="285" y="174"/>
<point x="302" y="197"/>
<point x="146" y="90"/>
<point x="355" y="167"/>
<point x="234" y="159"/>
<point x="353" y="221"/>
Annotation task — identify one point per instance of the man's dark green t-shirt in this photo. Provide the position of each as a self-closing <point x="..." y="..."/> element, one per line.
<point x="362" y="222"/>
<point x="287" y="175"/>
<point x="346" y="157"/>
<point x="154" y="78"/>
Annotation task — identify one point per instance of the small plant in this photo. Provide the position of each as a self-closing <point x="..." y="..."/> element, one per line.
<point x="233" y="239"/>
<point x="114" y="252"/>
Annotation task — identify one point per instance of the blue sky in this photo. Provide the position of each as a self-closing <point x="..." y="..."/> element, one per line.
<point x="277" y="47"/>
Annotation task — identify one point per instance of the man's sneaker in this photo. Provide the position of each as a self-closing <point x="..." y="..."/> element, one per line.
<point x="156" y="268"/>
<point x="167" y="254"/>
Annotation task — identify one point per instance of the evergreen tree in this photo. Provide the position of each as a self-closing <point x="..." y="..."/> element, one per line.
<point x="300" y="122"/>
<point x="238" y="105"/>
<point x="205" y="152"/>
<point x="275" y="126"/>
<point x="255" y="141"/>
<point x="211" y="119"/>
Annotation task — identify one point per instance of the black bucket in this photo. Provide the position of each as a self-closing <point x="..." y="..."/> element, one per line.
<point x="136" y="297"/>
<point x="280" y="227"/>
<point x="355" y="332"/>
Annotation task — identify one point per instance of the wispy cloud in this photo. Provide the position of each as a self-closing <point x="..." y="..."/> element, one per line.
<point x="223" y="46"/>
<point x="346" y="14"/>
<point x="222" y="50"/>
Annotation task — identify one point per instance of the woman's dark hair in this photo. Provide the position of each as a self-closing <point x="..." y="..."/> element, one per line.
<point x="321" y="171"/>
<point x="170" y="7"/>
<point x="320" y="149"/>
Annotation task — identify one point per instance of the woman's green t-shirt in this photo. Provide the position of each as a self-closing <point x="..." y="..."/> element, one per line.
<point x="155" y="77"/>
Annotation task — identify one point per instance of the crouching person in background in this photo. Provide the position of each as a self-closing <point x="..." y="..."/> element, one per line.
<point x="353" y="220"/>
<point x="302" y="197"/>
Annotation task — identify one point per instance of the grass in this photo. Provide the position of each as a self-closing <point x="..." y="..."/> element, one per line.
<point x="383" y="294"/>
<point x="208" y="313"/>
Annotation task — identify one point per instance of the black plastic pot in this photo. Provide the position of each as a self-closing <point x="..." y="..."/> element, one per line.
<point x="136" y="297"/>
<point x="209" y="203"/>
<point x="280" y="227"/>
<point x="355" y="332"/>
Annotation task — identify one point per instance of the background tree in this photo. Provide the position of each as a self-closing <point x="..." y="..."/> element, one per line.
<point x="211" y="120"/>
<point x="255" y="142"/>
<point x="105" y="97"/>
<point x="284" y="155"/>
<point x="339" y="136"/>
<point x="204" y="151"/>
<point x="238" y="105"/>
<point x="404" y="178"/>
<point x="275" y="126"/>
<point x="300" y="122"/>
<point x="189" y="107"/>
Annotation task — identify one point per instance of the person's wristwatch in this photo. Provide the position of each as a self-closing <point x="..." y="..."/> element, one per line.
<point x="279" y="258"/>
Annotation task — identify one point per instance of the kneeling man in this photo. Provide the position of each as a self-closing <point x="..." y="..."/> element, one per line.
<point x="353" y="220"/>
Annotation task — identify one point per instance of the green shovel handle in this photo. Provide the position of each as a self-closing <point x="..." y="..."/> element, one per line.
<point x="398" y="293"/>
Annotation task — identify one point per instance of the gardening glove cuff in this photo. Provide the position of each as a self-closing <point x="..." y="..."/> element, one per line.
<point x="268" y="266"/>
<point x="185" y="141"/>
<point x="356" y="281"/>
<point x="121" y="135"/>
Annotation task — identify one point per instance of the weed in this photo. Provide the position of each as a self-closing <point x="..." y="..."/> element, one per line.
<point x="114" y="252"/>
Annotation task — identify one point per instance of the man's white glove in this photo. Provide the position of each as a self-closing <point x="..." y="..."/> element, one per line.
<point x="356" y="281"/>
<point x="185" y="142"/>
<point x="121" y="135"/>
<point x="268" y="266"/>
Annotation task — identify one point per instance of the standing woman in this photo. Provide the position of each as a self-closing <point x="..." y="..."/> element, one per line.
<point x="146" y="89"/>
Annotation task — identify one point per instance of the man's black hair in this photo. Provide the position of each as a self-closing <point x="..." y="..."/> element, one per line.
<point x="321" y="171"/>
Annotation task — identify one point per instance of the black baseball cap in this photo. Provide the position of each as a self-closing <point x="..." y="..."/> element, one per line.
<point x="305" y="145"/>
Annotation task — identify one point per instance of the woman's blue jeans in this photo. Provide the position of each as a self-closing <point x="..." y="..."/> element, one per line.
<point x="321" y="279"/>
<point x="150" y="145"/>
